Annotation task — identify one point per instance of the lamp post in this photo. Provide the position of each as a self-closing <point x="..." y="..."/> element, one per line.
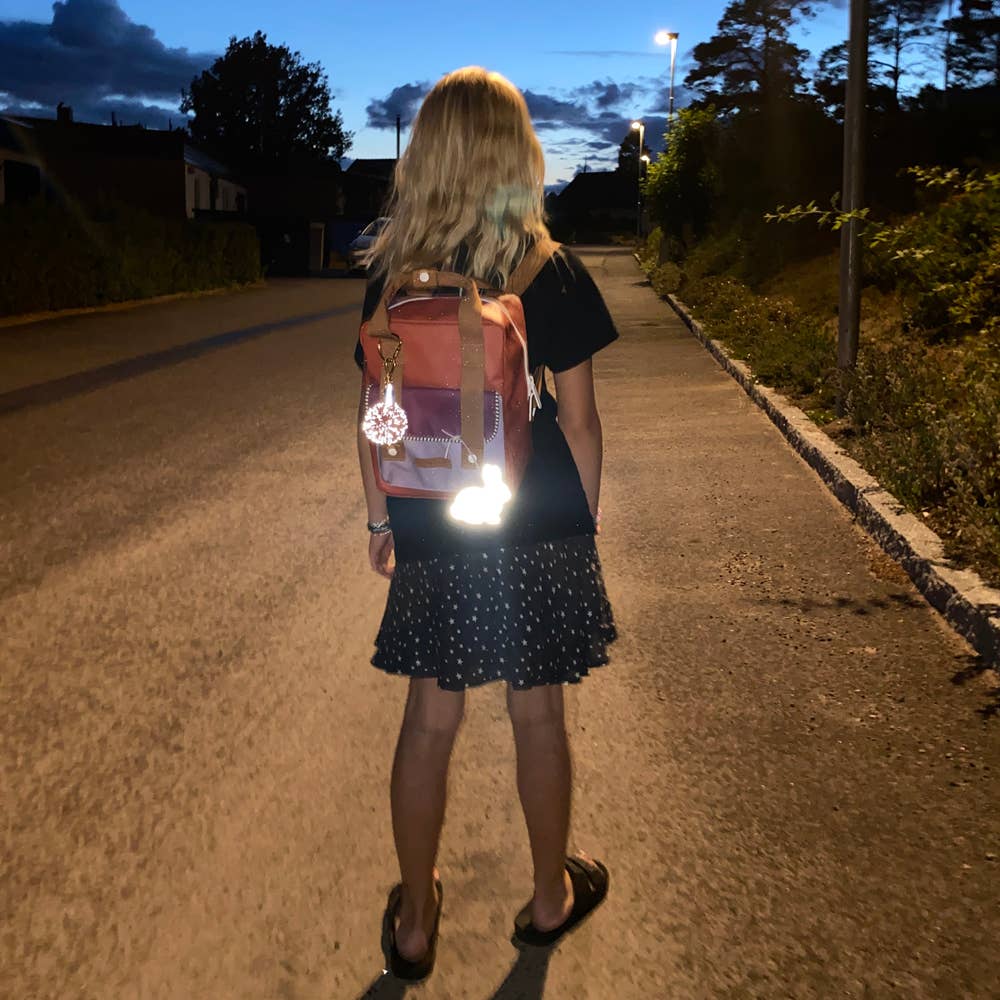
<point x="669" y="38"/>
<point x="639" y="127"/>
<point x="852" y="199"/>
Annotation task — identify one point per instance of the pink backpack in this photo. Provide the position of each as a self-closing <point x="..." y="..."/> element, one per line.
<point x="448" y="395"/>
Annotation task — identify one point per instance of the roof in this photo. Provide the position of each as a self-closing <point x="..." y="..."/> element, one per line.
<point x="16" y="141"/>
<point x="383" y="169"/>
<point x="599" y="189"/>
<point x="196" y="158"/>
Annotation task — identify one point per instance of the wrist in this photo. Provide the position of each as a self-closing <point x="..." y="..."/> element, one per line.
<point x="380" y="526"/>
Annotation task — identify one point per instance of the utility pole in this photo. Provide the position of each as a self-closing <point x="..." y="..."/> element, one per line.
<point x="399" y="129"/>
<point x="852" y="200"/>
<point x="640" y="127"/>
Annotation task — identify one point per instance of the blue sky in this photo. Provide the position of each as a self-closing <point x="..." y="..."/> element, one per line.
<point x="587" y="69"/>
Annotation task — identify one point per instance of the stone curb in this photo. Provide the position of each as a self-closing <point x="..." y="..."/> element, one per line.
<point x="967" y="603"/>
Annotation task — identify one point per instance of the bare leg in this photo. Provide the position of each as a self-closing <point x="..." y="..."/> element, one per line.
<point x="544" y="783"/>
<point x="419" y="782"/>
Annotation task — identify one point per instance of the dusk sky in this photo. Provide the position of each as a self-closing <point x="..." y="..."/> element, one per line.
<point x="587" y="70"/>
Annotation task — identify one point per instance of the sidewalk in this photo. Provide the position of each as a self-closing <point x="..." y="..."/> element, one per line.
<point x="814" y="813"/>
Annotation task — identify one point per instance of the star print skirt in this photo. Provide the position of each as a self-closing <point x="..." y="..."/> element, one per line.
<point x="527" y="614"/>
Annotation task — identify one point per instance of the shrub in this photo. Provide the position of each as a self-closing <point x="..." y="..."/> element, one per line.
<point x="51" y="258"/>
<point x="784" y="348"/>
<point x="649" y="252"/>
<point x="666" y="279"/>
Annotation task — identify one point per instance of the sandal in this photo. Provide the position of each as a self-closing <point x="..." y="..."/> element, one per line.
<point x="590" y="886"/>
<point x="411" y="971"/>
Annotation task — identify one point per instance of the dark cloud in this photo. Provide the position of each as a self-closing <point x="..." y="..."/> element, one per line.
<point x="403" y="101"/>
<point x="93" y="57"/>
<point x="600" y="113"/>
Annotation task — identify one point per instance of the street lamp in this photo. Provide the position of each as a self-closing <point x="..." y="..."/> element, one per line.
<point x="669" y="38"/>
<point x="639" y="127"/>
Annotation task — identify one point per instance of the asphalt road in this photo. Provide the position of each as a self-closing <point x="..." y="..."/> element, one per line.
<point x="790" y="766"/>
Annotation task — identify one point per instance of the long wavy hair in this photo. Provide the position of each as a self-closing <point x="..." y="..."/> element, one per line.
<point x="468" y="191"/>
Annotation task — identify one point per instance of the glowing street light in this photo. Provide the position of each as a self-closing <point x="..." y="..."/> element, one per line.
<point x="669" y="38"/>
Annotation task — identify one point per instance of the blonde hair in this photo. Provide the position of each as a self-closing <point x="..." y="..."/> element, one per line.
<point x="471" y="177"/>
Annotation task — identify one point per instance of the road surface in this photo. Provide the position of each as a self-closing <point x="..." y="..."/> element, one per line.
<point x="790" y="766"/>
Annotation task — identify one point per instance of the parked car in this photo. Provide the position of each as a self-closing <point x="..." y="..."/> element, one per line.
<point x="362" y="243"/>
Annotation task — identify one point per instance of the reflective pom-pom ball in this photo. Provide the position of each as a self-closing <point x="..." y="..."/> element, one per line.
<point x="384" y="423"/>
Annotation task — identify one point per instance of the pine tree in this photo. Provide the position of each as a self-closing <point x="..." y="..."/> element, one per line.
<point x="973" y="50"/>
<point x="900" y="35"/>
<point x="750" y="61"/>
<point x="900" y="29"/>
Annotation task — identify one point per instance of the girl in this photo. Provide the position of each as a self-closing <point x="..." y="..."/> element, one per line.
<point x="523" y="602"/>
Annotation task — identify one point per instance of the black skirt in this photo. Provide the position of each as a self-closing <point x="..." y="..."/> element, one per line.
<point x="527" y="614"/>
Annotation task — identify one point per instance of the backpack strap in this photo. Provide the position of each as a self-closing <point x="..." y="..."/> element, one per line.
<point x="521" y="277"/>
<point x="531" y="264"/>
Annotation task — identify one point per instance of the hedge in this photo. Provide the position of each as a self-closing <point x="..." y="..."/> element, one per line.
<point x="54" y="258"/>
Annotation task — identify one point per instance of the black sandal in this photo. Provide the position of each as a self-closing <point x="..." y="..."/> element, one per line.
<point x="400" y="967"/>
<point x="590" y="887"/>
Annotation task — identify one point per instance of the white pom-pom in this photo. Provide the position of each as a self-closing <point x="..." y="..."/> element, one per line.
<point x="385" y="422"/>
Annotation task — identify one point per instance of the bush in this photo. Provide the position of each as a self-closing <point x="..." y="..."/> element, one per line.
<point x="51" y="258"/>
<point x="666" y="279"/>
<point x="928" y="426"/>
<point x="649" y="252"/>
<point x="784" y="347"/>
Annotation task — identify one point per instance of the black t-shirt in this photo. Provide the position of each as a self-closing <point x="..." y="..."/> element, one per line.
<point x="566" y="322"/>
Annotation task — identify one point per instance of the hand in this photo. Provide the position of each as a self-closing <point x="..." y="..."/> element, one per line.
<point x="380" y="548"/>
<point x="597" y="521"/>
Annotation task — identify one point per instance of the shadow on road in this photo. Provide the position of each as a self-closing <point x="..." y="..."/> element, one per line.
<point x="525" y="981"/>
<point x="972" y="665"/>
<point x="385" y="987"/>
<point x="858" y="607"/>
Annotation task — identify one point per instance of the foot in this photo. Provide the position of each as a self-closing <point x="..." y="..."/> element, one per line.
<point x="538" y="927"/>
<point x="413" y="930"/>
<point x="552" y="909"/>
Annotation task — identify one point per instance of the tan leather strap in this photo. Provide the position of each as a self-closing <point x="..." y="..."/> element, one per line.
<point x="470" y="329"/>
<point x="531" y="264"/>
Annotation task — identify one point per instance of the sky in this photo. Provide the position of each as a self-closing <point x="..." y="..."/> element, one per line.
<point x="587" y="69"/>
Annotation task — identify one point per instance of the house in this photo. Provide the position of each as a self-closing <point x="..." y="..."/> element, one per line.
<point x="595" y="204"/>
<point x="366" y="185"/>
<point x="20" y="168"/>
<point x="158" y="170"/>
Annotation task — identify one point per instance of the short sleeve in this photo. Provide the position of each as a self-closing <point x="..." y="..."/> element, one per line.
<point x="567" y="319"/>
<point x="373" y="292"/>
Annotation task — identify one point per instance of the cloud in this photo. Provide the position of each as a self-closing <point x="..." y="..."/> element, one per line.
<point x="403" y="101"/>
<point x="590" y="119"/>
<point x="93" y="57"/>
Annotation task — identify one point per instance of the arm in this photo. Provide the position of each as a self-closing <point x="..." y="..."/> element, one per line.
<point x="379" y="546"/>
<point x="581" y="426"/>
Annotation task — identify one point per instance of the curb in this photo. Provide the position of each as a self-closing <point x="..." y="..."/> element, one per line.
<point x="965" y="601"/>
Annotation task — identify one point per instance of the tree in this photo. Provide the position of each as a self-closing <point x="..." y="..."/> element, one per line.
<point x="260" y="105"/>
<point x="973" y="48"/>
<point x="750" y="61"/>
<point x="682" y="184"/>
<point x="898" y="29"/>
<point x="628" y="153"/>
